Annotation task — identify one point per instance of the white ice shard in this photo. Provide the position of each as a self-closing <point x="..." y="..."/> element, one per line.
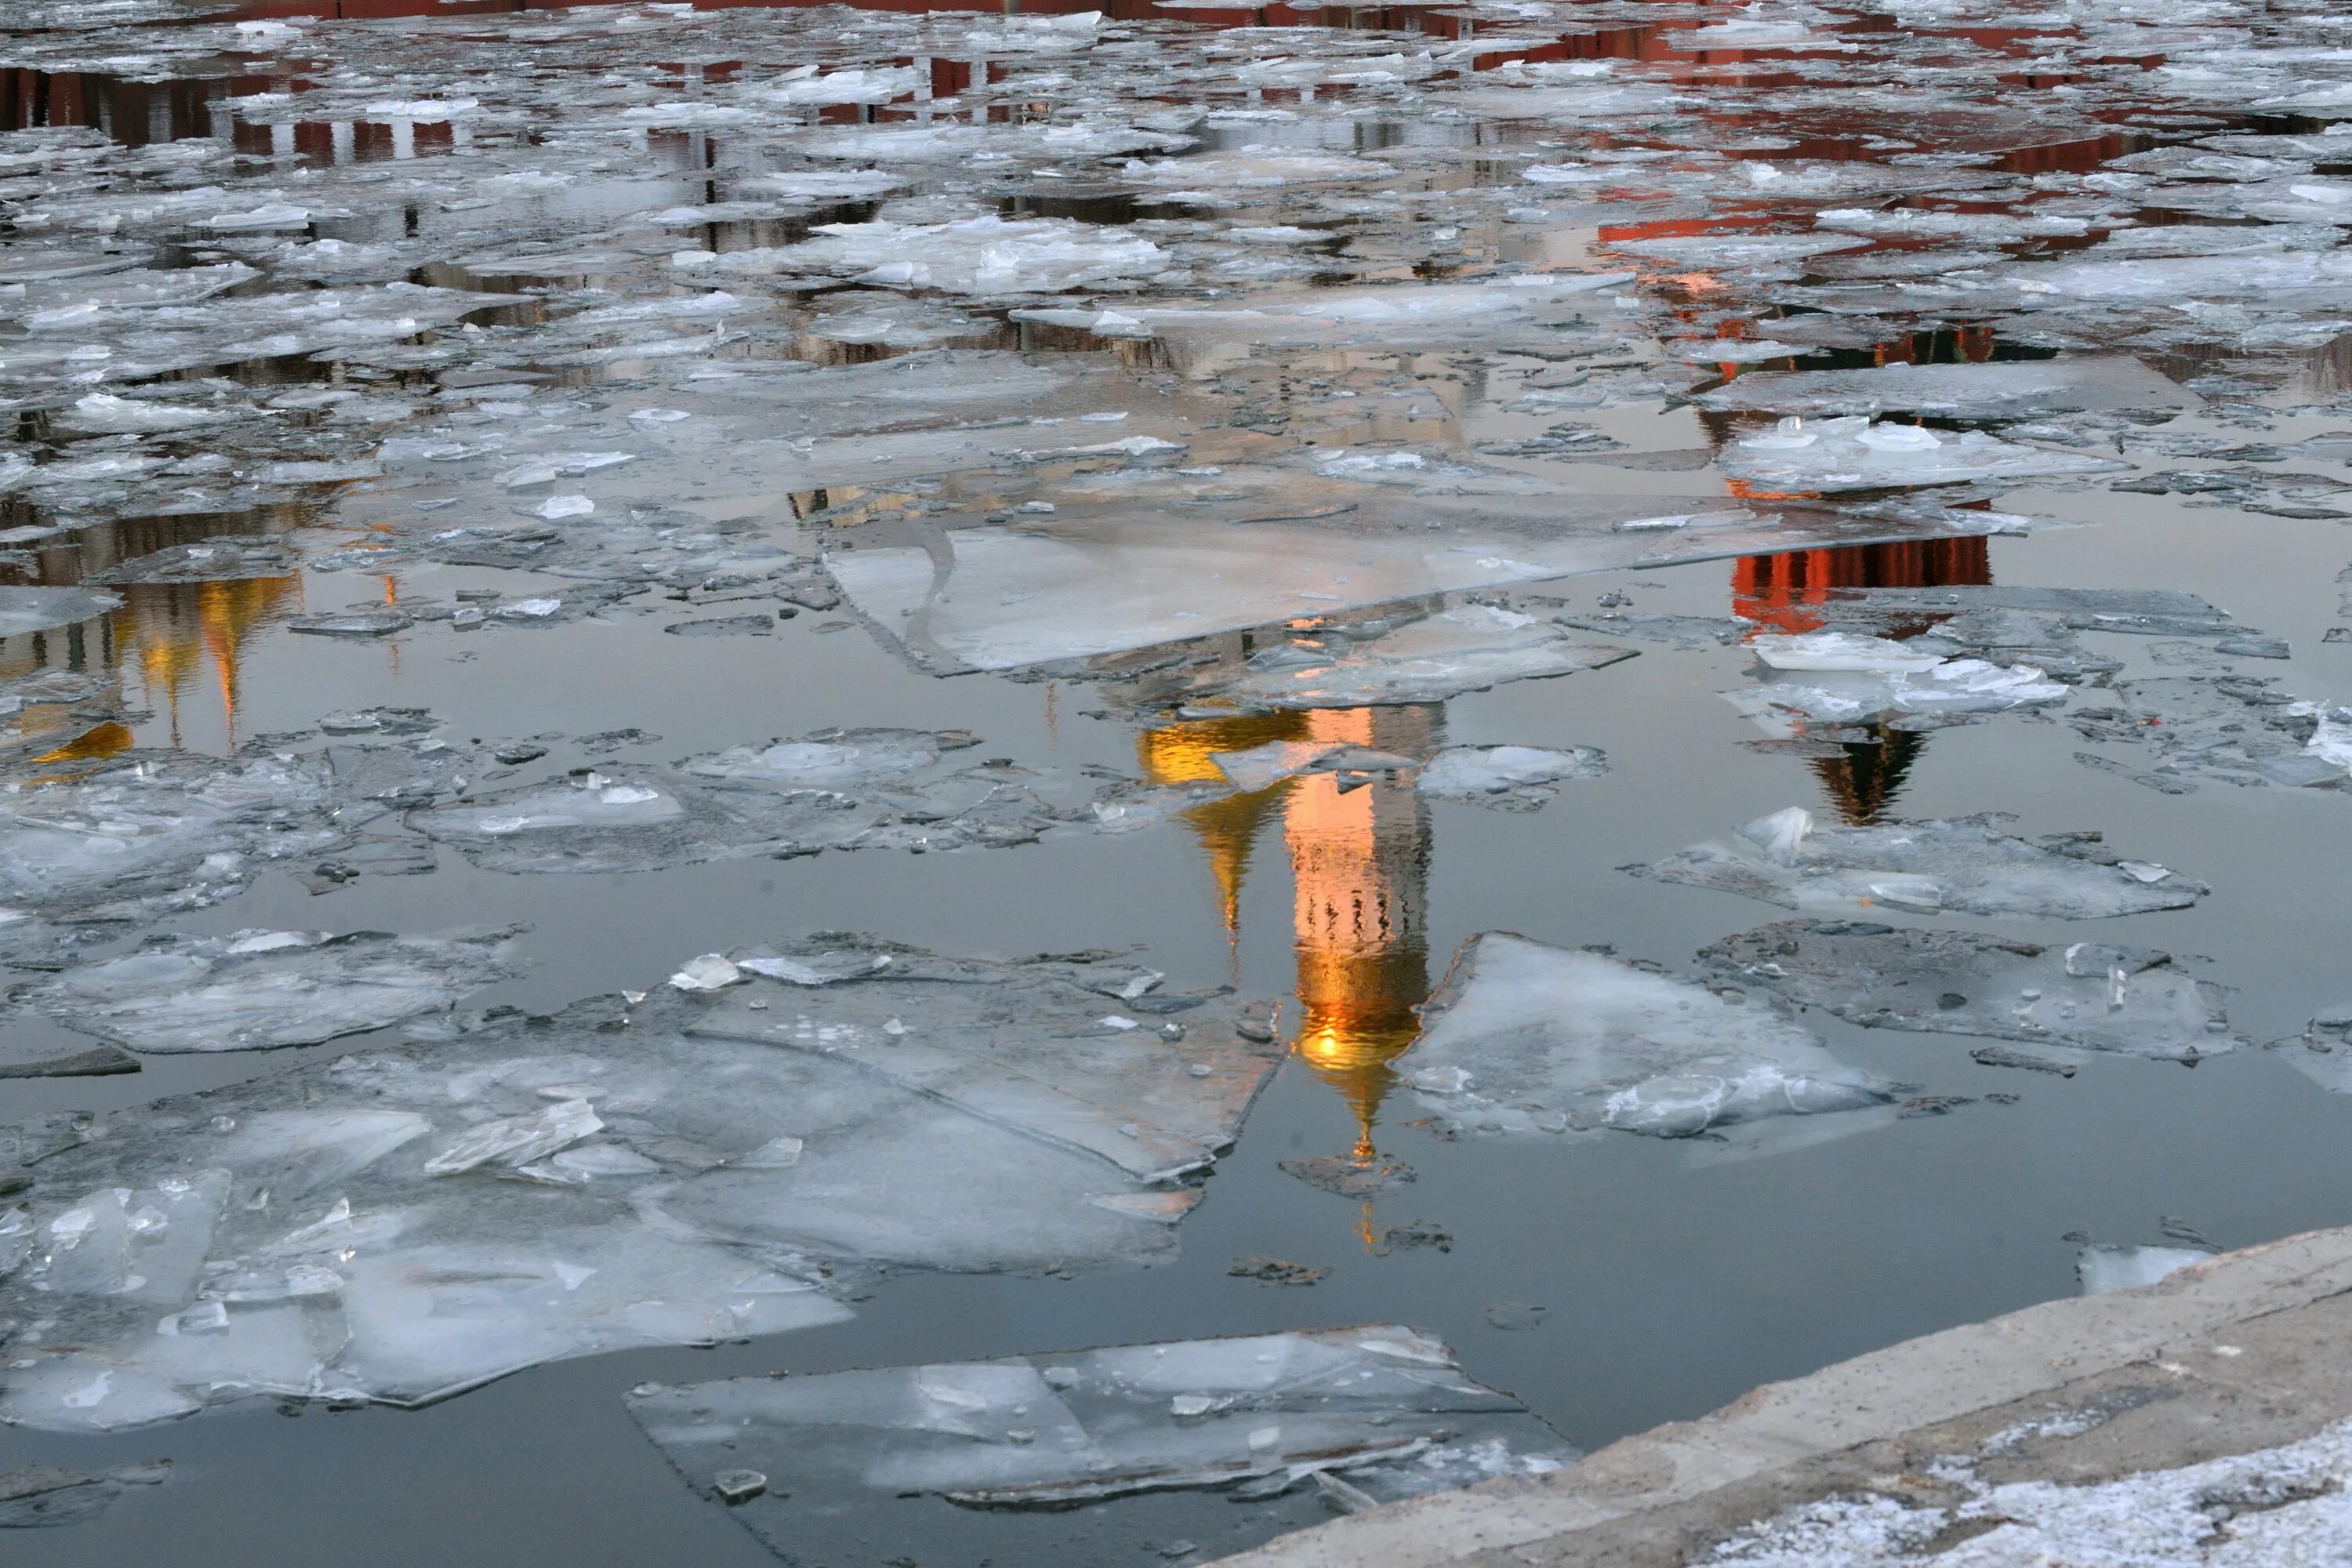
<point x="1523" y="1037"/>
<point x="256" y="990"/>
<point x="1958" y="865"/>
<point x="402" y="1223"/>
<point x="1271" y="1421"/>
<point x="1950" y="686"/>
<point x="2087" y="994"/>
<point x="1841" y="651"/>
<point x="1513" y="776"/>
<point x="1828" y="456"/>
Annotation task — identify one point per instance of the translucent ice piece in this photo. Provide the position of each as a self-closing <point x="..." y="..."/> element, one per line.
<point x="2135" y="1002"/>
<point x="1523" y="1037"/>
<point x="1961" y="865"/>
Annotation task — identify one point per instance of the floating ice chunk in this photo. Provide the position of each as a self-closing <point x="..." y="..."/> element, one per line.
<point x="1841" y="651"/>
<point x="2006" y="389"/>
<point x="711" y="972"/>
<point x="1829" y="456"/>
<point x="1260" y="767"/>
<point x="352" y="624"/>
<point x="2133" y="1001"/>
<point x="1283" y="1416"/>
<point x="972" y="256"/>
<point x="1103" y="582"/>
<point x="822" y="184"/>
<point x="1522" y="1038"/>
<point x="1734" y="250"/>
<point x="2103" y="1268"/>
<point x="1960" y="865"/>
<point x="856" y="85"/>
<point x="1950" y="686"/>
<point x="258" y="990"/>
<point x="1511" y="776"/>
<point x="832" y="757"/>
<point x="1469" y="648"/>
<point x="105" y="414"/>
<point x="24" y="610"/>
<point x="557" y="507"/>
<point x="351" y="1229"/>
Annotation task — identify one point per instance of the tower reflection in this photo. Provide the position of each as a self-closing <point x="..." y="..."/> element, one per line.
<point x="1359" y="855"/>
<point x="1785" y="593"/>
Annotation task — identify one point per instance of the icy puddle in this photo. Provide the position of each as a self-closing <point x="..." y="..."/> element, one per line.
<point x="1647" y="692"/>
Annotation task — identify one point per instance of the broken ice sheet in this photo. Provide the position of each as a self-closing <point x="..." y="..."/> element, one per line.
<point x="1078" y="585"/>
<point x="154" y="832"/>
<point x="27" y="610"/>
<point x="1828" y="456"/>
<point x="835" y="789"/>
<point x="1962" y="865"/>
<point x="2133" y="1001"/>
<point x="1279" y="1424"/>
<point x="257" y="990"/>
<point x="1523" y="1037"/>
<point x="402" y="1223"/>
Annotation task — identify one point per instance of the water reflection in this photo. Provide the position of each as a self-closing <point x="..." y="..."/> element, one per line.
<point x="1863" y="777"/>
<point x="1358" y="854"/>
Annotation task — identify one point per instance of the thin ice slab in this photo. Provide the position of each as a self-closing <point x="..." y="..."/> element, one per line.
<point x="1961" y="865"/>
<point x="1523" y="1037"/>
<point x="2087" y="995"/>
<point x="1231" y="1441"/>
<point x="713" y="1159"/>
<point x="27" y="610"/>
<point x="1074" y="587"/>
<point x="258" y="990"/>
<point x="2009" y="389"/>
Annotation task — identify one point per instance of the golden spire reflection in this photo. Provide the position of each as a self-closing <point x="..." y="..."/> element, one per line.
<point x="1359" y="864"/>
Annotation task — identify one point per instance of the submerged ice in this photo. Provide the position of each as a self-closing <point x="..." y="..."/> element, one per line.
<point x="1278" y="1422"/>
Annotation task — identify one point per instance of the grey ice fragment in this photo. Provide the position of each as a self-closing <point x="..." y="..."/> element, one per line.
<point x="2088" y="995"/>
<point x="1253" y="1423"/>
<point x="2010" y="389"/>
<point x="1958" y="865"/>
<point x="1522" y="1038"/>
<point x="25" y="610"/>
<point x="256" y="990"/>
<point x="39" y="1495"/>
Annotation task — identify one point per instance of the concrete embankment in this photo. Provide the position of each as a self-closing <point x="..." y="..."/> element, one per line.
<point x="2239" y="1356"/>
